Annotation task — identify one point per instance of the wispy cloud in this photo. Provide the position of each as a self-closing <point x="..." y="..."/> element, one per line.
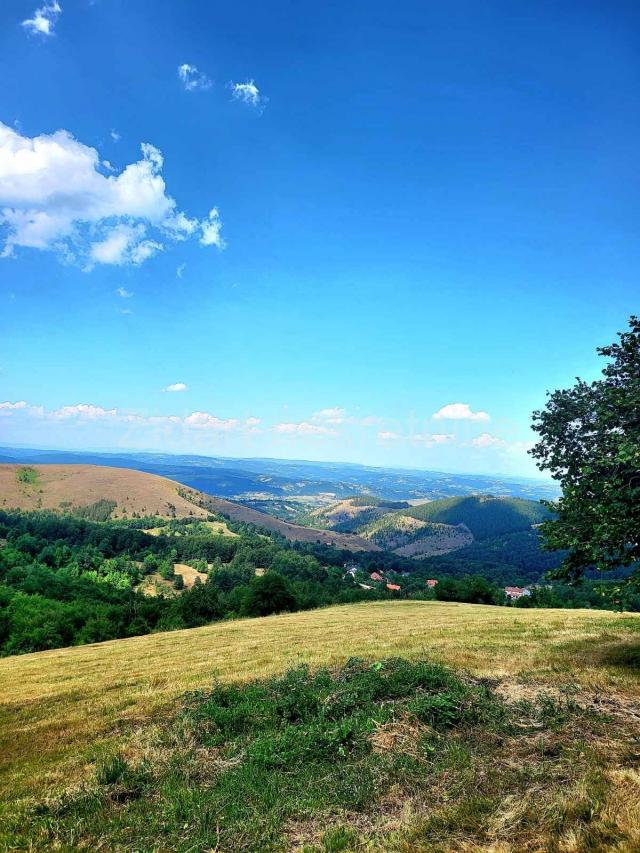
<point x="55" y="197"/>
<point x="335" y="415"/>
<point x="122" y="293"/>
<point x="388" y="435"/>
<point x="249" y="94"/>
<point x="192" y="78"/>
<point x="115" y="135"/>
<point x="180" y="270"/>
<point x="304" y="428"/>
<point x="44" y="19"/>
<point x="460" y="412"/>
<point x="424" y="439"/>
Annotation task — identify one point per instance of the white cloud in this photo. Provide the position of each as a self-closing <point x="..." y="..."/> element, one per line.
<point x="430" y="439"/>
<point x="330" y="416"/>
<point x="192" y="79"/>
<point x="203" y="420"/>
<point x="54" y="196"/>
<point x="487" y="440"/>
<point x="303" y="428"/>
<point x="211" y="230"/>
<point x="122" y="293"/>
<point x="386" y="435"/>
<point x="177" y="386"/>
<point x="115" y="135"/>
<point x="248" y="93"/>
<point x="44" y="19"/>
<point x="124" y="244"/>
<point x="180" y="270"/>
<point x="7" y="409"/>
<point x="371" y="420"/>
<point x="460" y="412"/>
<point x="84" y="412"/>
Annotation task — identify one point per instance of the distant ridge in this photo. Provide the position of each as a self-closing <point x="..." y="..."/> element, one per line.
<point x="63" y="487"/>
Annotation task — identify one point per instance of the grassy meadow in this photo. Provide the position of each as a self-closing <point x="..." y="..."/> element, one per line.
<point x="67" y="715"/>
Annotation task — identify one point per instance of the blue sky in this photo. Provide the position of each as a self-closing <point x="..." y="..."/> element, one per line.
<point x="346" y="219"/>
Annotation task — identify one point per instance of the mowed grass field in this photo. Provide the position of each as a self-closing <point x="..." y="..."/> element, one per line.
<point x="62" y="708"/>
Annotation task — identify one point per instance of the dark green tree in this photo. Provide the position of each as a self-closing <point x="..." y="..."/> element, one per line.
<point x="590" y="442"/>
<point x="271" y="593"/>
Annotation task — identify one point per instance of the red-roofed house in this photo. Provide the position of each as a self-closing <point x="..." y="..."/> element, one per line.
<point x="376" y="577"/>
<point x="393" y="586"/>
<point x="515" y="592"/>
<point x="432" y="582"/>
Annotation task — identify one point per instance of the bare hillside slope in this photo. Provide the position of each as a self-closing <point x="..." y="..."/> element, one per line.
<point x="63" y="487"/>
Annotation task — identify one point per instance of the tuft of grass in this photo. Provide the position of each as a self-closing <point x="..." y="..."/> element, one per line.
<point x="111" y="771"/>
<point x="27" y="475"/>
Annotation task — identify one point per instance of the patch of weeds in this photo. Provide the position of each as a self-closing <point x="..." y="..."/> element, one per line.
<point x="243" y="764"/>
<point x="27" y="475"/>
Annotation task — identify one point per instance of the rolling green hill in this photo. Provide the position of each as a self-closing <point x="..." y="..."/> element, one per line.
<point x="485" y="516"/>
<point x="433" y="528"/>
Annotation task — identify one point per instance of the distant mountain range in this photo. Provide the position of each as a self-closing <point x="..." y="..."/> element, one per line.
<point x="285" y="487"/>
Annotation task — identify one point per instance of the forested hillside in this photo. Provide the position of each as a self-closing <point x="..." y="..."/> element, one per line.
<point x="485" y="516"/>
<point x="437" y="527"/>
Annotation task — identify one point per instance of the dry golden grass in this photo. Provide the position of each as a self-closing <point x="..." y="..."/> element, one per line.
<point x="57" y="708"/>
<point x="81" y="485"/>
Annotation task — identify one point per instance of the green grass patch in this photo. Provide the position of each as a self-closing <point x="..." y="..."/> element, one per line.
<point x="27" y="475"/>
<point x="320" y="760"/>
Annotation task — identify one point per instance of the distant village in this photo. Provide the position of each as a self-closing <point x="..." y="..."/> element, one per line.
<point x="513" y="593"/>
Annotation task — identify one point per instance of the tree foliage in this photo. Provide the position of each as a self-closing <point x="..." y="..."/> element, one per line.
<point x="590" y="442"/>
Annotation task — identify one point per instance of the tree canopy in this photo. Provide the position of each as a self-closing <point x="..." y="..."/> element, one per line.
<point x="590" y="442"/>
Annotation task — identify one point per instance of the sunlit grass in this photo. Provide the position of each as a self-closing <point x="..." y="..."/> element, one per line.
<point x="58" y="707"/>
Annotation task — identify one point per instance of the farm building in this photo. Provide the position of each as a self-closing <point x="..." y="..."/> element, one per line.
<point x="515" y="592"/>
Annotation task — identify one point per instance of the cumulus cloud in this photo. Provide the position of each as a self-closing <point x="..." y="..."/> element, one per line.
<point x="44" y="19"/>
<point x="203" y="420"/>
<point x="488" y="440"/>
<point x="304" y="428"/>
<point x="54" y="196"/>
<point x="122" y="293"/>
<point x="84" y="412"/>
<point x="192" y="79"/>
<point x="249" y="94"/>
<point x="460" y="412"/>
<point x="177" y="386"/>
<point x="10" y="407"/>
